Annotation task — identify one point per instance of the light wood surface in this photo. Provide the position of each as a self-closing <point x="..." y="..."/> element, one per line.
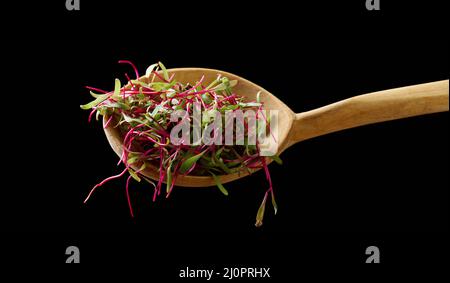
<point x="371" y="108"/>
<point x="292" y="128"/>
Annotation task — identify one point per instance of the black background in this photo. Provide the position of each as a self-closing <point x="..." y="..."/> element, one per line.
<point x="384" y="185"/>
<point x="225" y="20"/>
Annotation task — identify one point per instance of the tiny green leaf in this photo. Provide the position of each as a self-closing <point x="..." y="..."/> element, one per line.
<point x="117" y="88"/>
<point x="117" y="104"/>
<point x="94" y="103"/>
<point x="138" y="82"/>
<point x="219" y="152"/>
<point x="277" y="159"/>
<point x="222" y="165"/>
<point x="274" y="203"/>
<point x="132" y="158"/>
<point x="142" y="167"/>
<point x="260" y="214"/>
<point x="188" y="163"/>
<point x="169" y="178"/>
<point x="225" y="85"/>
<point x="250" y="104"/>
<point x="134" y="175"/>
<point x="97" y="115"/>
<point x="141" y="95"/>
<point x="129" y="119"/>
<point x="212" y="84"/>
<point x="150" y="69"/>
<point x="156" y="110"/>
<point x="258" y="97"/>
<point x="164" y="70"/>
<point x="229" y="107"/>
<point x="219" y="184"/>
<point x="206" y="98"/>
<point x="95" y="95"/>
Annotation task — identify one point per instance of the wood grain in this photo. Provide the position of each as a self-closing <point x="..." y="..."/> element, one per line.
<point x="371" y="108"/>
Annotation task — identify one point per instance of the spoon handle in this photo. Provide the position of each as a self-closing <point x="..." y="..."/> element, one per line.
<point x="371" y="108"/>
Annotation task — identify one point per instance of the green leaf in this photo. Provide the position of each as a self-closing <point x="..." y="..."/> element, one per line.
<point x="219" y="152"/>
<point x="260" y="214"/>
<point x="188" y="163"/>
<point x="274" y="203"/>
<point x="132" y="158"/>
<point x="95" y="95"/>
<point x="277" y="159"/>
<point x="150" y="69"/>
<point x="206" y="98"/>
<point x="134" y="175"/>
<point x="225" y="85"/>
<point x="141" y="95"/>
<point x="171" y="84"/>
<point x="229" y="84"/>
<point x="117" y="88"/>
<point x="219" y="184"/>
<point x="169" y="178"/>
<point x="258" y="97"/>
<point x="213" y="83"/>
<point x="171" y="93"/>
<point x="129" y="119"/>
<point x="97" y="115"/>
<point x="142" y="167"/>
<point x="117" y="104"/>
<point x="94" y="103"/>
<point x="138" y="82"/>
<point x="160" y="86"/>
<point x="156" y="110"/>
<point x="229" y="107"/>
<point x="250" y="104"/>
<point x="222" y="165"/>
<point x="233" y="163"/>
<point x="164" y="70"/>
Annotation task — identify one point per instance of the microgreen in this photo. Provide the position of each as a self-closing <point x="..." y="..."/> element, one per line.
<point x="141" y="111"/>
<point x="219" y="184"/>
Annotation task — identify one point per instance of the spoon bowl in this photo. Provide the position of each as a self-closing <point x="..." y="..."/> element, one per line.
<point x="292" y="128"/>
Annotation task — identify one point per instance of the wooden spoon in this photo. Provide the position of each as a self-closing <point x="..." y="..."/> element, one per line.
<point x="292" y="128"/>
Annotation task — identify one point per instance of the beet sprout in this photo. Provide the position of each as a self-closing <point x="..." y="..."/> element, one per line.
<point x="103" y="182"/>
<point x="141" y="112"/>
<point x="132" y="65"/>
<point x="128" y="196"/>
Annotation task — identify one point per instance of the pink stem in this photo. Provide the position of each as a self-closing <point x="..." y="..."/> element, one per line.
<point x="132" y="65"/>
<point x="92" y="113"/>
<point x="96" y="89"/>
<point x="107" y="123"/>
<point x="159" y="76"/>
<point x="128" y="196"/>
<point x="103" y="182"/>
